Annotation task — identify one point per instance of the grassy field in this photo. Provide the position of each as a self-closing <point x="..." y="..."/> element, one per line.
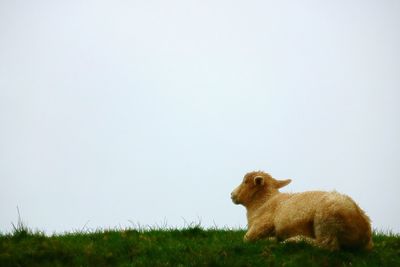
<point x="192" y="246"/>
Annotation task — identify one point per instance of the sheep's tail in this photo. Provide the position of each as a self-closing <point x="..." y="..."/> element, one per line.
<point x="368" y="239"/>
<point x="356" y="228"/>
<point x="364" y="227"/>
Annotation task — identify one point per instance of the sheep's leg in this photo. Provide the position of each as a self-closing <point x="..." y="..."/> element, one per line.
<point x="301" y="238"/>
<point x="326" y="230"/>
<point x="252" y="235"/>
<point x="328" y="242"/>
<point x="258" y="231"/>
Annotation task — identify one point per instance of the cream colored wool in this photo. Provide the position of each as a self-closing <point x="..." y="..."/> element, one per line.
<point x="326" y="219"/>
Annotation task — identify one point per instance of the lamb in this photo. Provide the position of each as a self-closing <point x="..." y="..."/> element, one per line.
<point x="328" y="220"/>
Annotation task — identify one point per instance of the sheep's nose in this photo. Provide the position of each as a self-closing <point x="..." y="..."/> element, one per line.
<point x="233" y="197"/>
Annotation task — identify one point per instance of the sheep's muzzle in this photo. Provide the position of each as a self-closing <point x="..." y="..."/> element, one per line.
<point x="234" y="198"/>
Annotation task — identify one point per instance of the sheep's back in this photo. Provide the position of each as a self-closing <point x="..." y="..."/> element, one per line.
<point x="300" y="205"/>
<point x="296" y="214"/>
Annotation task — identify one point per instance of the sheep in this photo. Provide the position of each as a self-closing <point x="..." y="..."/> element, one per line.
<point x="329" y="220"/>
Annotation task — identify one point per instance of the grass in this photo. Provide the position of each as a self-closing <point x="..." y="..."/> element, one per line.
<point x="192" y="246"/>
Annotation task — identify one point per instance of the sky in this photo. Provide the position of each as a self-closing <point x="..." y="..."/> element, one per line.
<point x="149" y="113"/>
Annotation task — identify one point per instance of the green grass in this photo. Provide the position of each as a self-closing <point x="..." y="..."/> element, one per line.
<point x="192" y="246"/>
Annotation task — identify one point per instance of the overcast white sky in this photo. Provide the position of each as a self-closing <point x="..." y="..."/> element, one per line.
<point x="152" y="111"/>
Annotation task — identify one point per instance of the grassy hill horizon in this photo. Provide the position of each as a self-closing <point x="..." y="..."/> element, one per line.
<point x="190" y="246"/>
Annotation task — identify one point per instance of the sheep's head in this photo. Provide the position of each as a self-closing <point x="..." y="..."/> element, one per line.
<point x="255" y="185"/>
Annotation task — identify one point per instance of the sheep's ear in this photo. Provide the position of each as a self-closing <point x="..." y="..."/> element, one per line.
<point x="282" y="183"/>
<point x="259" y="180"/>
